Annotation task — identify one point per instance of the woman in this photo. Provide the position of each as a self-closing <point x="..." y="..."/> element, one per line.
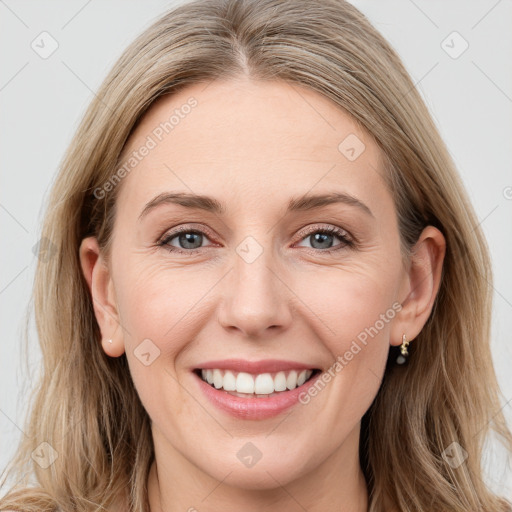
<point x="268" y="288"/>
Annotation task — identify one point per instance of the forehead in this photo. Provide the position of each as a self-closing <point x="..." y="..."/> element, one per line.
<point x="250" y="140"/>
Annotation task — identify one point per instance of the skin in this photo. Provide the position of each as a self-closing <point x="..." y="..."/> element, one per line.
<point x="253" y="146"/>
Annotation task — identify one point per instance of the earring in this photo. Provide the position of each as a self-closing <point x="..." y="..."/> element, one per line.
<point x="402" y="358"/>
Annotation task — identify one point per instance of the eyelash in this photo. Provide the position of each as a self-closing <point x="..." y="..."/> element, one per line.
<point x="346" y="241"/>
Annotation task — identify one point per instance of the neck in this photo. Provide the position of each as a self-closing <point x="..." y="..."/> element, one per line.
<point x="336" y="483"/>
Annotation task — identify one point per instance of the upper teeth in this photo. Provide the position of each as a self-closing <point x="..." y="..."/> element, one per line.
<point x="261" y="384"/>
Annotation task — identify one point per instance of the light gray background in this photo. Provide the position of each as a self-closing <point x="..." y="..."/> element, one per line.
<point x="42" y="100"/>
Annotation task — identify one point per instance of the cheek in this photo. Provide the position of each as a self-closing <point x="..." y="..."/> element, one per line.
<point x="354" y="311"/>
<point x="351" y="300"/>
<point x="162" y="310"/>
<point x="162" y="303"/>
<point x="355" y="307"/>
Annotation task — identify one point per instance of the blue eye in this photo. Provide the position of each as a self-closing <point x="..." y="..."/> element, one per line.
<point x="189" y="238"/>
<point x="190" y="241"/>
<point x="323" y="237"/>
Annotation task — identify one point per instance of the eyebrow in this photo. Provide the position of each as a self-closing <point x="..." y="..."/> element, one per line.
<point x="210" y="204"/>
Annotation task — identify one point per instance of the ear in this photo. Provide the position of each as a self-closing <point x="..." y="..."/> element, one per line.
<point x="100" y="284"/>
<point x="420" y="286"/>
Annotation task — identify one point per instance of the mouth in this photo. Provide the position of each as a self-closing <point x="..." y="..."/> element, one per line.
<point x="256" y="386"/>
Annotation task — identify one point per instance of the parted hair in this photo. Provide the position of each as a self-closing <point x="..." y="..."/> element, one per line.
<point x="85" y="405"/>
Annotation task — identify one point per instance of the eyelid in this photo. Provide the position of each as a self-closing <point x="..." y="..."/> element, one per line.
<point x="347" y="239"/>
<point x="169" y="234"/>
<point x="325" y="227"/>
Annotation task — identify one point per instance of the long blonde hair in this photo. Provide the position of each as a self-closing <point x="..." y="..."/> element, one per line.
<point x="85" y="405"/>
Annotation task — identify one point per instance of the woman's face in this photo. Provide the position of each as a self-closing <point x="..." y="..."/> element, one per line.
<point x="253" y="277"/>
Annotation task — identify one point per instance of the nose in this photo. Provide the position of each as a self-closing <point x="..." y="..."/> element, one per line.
<point x="256" y="299"/>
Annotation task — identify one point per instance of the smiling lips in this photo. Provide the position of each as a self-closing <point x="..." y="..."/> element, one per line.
<point x="254" y="379"/>
<point x="260" y="385"/>
<point x="254" y="390"/>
